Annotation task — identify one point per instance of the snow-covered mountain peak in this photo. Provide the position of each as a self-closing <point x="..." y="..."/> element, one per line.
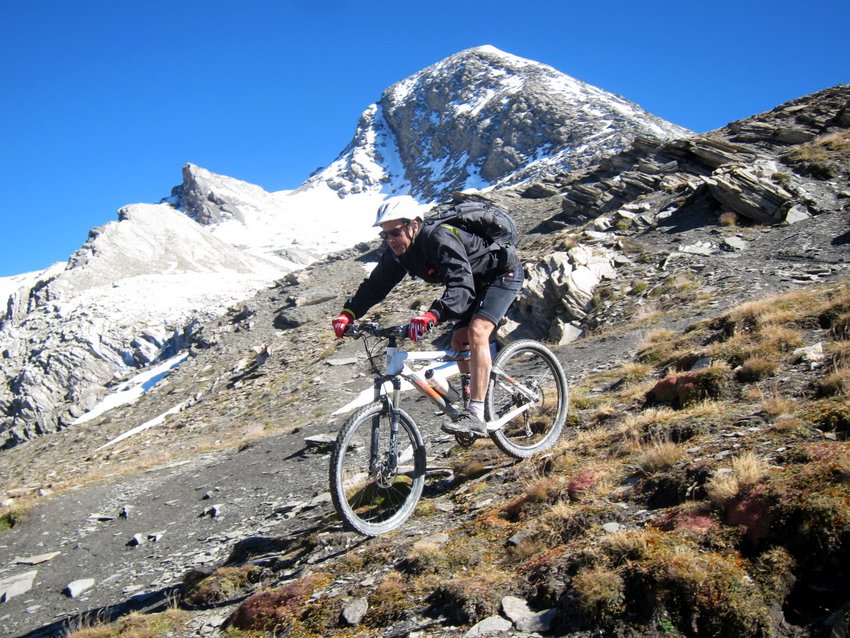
<point x="482" y="118"/>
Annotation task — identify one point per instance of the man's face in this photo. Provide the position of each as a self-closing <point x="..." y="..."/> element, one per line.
<point x="399" y="235"/>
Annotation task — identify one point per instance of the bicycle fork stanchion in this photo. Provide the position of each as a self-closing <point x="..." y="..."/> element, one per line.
<point x="392" y="451"/>
<point x="375" y="441"/>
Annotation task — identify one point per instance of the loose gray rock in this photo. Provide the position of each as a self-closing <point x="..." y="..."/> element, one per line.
<point x="355" y="610"/>
<point x="12" y="586"/>
<point x="346" y="361"/>
<point x="810" y="354"/>
<point x="524" y="619"/>
<point x="492" y="626"/>
<point x="77" y="588"/>
<point x="213" y="511"/>
<point x="321" y="441"/>
<point x="515" y="608"/>
<point x="138" y="539"/>
<point x="36" y="560"/>
<point x="734" y="244"/>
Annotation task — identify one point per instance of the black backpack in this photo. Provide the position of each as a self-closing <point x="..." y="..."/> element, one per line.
<point x="479" y="218"/>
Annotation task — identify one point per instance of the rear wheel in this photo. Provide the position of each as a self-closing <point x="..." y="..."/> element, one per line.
<point x="527" y="373"/>
<point x="372" y="493"/>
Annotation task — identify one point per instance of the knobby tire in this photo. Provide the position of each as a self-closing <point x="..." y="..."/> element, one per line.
<point x="369" y="502"/>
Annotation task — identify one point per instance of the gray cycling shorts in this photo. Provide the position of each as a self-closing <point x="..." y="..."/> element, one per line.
<point x="494" y="300"/>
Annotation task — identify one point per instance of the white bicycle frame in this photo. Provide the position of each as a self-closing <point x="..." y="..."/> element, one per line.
<point x="443" y="368"/>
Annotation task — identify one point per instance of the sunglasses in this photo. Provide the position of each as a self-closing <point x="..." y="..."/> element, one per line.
<point x="395" y="232"/>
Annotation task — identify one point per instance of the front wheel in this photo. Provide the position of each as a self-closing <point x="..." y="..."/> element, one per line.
<point x="527" y="373"/>
<point x="373" y="490"/>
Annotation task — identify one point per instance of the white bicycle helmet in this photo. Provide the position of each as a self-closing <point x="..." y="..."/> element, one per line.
<point x="400" y="207"/>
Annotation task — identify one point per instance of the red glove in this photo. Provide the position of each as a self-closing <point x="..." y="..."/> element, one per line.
<point x="421" y="324"/>
<point x="340" y="323"/>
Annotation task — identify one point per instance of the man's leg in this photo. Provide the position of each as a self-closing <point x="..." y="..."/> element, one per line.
<point x="490" y="308"/>
<point x="479" y="333"/>
<point x="480" y="329"/>
<point x="476" y="338"/>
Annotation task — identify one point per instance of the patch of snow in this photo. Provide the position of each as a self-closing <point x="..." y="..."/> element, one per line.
<point x="144" y="426"/>
<point x="131" y="390"/>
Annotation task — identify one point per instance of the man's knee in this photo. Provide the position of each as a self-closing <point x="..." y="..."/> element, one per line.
<point x="480" y="330"/>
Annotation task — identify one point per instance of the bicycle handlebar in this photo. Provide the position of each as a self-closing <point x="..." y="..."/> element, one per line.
<point x="376" y="330"/>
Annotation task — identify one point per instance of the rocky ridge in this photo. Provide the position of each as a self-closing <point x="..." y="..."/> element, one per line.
<point x="268" y="375"/>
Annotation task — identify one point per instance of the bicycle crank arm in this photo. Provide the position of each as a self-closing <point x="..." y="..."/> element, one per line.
<point x="492" y="426"/>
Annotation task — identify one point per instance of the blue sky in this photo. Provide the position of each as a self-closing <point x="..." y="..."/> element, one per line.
<point x="102" y="102"/>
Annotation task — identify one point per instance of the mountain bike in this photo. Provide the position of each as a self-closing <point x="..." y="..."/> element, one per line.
<point x="378" y="466"/>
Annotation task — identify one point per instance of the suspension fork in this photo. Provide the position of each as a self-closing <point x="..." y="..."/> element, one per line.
<point x="389" y="464"/>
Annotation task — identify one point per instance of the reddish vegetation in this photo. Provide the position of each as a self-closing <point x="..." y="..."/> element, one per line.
<point x="688" y="522"/>
<point x="276" y="608"/>
<point x="580" y="484"/>
<point x="752" y="512"/>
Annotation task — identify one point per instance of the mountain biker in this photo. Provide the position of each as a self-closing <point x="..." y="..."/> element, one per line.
<point x="480" y="285"/>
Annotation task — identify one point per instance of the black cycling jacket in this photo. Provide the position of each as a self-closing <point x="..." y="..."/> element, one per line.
<point x="447" y="255"/>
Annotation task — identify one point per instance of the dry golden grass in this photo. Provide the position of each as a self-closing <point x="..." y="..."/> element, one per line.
<point x="659" y="456"/>
<point x="635" y="426"/>
<point x="780" y="338"/>
<point x="749" y="468"/>
<point x="564" y="521"/>
<point x="172" y="622"/>
<point x="728" y="483"/>
<point x="752" y="394"/>
<point x="603" y="414"/>
<point x="788" y="423"/>
<point x="722" y="487"/>
<point x="765" y="341"/>
<point x="706" y="409"/>
<point x="600" y="592"/>
<point x="591" y="440"/>
<point x="836" y="383"/>
<point x="635" y="393"/>
<point x="756" y="368"/>
<point x="728" y="219"/>
<point x="778" y="405"/>
<point x="777" y="310"/>
<point x="635" y="371"/>
<point x="819" y="149"/>
<point x="629" y="545"/>
<point x="662" y="335"/>
<point x="658" y="347"/>
<point x="842" y="465"/>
